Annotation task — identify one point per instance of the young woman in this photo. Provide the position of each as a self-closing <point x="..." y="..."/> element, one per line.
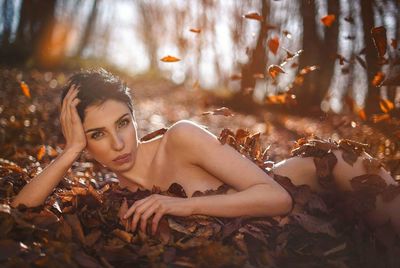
<point x="97" y="116"/>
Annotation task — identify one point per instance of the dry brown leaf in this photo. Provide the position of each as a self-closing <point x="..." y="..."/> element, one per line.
<point x="25" y="89"/>
<point x="273" y="45"/>
<point x="386" y="105"/>
<point x="308" y="69"/>
<point x="368" y="183"/>
<point x="380" y="41"/>
<point x="328" y="20"/>
<point x="41" y="152"/>
<point x="275" y="70"/>
<point x="254" y="16"/>
<point x="378" y="79"/>
<point x="169" y="58"/>
<point x="195" y="30"/>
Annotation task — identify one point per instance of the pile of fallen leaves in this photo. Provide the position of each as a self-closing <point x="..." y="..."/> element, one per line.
<point x="81" y="225"/>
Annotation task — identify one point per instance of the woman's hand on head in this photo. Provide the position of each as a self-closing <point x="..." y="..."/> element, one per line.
<point x="157" y="205"/>
<point x="71" y="123"/>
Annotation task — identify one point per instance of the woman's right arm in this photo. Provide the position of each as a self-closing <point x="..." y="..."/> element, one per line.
<point x="40" y="187"/>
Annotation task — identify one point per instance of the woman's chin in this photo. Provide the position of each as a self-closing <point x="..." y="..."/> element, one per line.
<point x="122" y="168"/>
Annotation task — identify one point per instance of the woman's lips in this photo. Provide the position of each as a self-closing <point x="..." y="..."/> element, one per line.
<point x="122" y="159"/>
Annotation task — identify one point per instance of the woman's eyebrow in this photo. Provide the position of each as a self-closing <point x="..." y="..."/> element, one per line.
<point x="101" y="128"/>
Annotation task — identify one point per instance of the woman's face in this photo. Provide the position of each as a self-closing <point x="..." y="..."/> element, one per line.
<point x="111" y="135"/>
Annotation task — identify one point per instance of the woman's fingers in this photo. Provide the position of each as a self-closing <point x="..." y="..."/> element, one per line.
<point x="147" y="214"/>
<point x="156" y="219"/>
<point x="132" y="209"/>
<point x="138" y="214"/>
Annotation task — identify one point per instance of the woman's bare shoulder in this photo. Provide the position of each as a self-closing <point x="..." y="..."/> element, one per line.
<point x="184" y="130"/>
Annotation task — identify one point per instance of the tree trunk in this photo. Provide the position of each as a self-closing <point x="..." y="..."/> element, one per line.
<point x="327" y="55"/>
<point x="88" y="29"/>
<point x="258" y="58"/>
<point x="306" y="93"/>
<point x="371" y="56"/>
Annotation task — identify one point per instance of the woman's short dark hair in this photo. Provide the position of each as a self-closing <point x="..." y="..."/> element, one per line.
<point x="97" y="86"/>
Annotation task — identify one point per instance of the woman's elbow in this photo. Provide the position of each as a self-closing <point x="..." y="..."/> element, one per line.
<point x="281" y="204"/>
<point x="285" y="202"/>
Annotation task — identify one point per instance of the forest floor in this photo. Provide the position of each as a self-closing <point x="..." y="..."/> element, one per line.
<point x="30" y="136"/>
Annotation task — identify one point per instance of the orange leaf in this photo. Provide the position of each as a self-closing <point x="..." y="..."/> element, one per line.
<point x="362" y="115"/>
<point x="194" y="30"/>
<point x="254" y="16"/>
<point x="386" y="105"/>
<point x="378" y="79"/>
<point x="328" y="20"/>
<point x="169" y="58"/>
<point x="376" y="118"/>
<point x="274" y="70"/>
<point x="273" y="45"/>
<point x="236" y="76"/>
<point x="41" y="152"/>
<point x="308" y="69"/>
<point x="281" y="98"/>
<point x="25" y="89"/>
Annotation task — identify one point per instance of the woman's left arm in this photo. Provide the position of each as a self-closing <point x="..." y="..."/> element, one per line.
<point x="258" y="194"/>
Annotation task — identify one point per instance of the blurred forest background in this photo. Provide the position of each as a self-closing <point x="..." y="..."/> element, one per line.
<point x="237" y="47"/>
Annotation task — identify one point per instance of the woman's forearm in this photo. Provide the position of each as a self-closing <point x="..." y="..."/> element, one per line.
<point x="39" y="188"/>
<point x="259" y="200"/>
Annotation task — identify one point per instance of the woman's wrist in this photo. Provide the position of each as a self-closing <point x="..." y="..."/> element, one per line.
<point x="72" y="151"/>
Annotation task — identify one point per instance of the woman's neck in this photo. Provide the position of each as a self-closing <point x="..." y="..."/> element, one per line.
<point x="139" y="173"/>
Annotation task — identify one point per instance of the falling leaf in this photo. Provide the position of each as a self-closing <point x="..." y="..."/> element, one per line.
<point x="361" y="114"/>
<point x="236" y="76"/>
<point x="342" y="59"/>
<point x="281" y="99"/>
<point x="287" y="34"/>
<point x="254" y="16"/>
<point x="41" y="152"/>
<point x="378" y="79"/>
<point x="394" y="43"/>
<point x="376" y="118"/>
<point x="328" y="20"/>
<point x="274" y="70"/>
<point x="361" y="62"/>
<point x="25" y="89"/>
<point x="220" y="111"/>
<point x="386" y="105"/>
<point x="273" y="45"/>
<point x="169" y="58"/>
<point x="308" y="69"/>
<point x="379" y="37"/>
<point x="349" y="19"/>
<point x="194" y="30"/>
<point x="154" y="134"/>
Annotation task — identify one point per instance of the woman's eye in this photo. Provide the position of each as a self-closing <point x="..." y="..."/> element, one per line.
<point x="96" y="135"/>
<point x="123" y="123"/>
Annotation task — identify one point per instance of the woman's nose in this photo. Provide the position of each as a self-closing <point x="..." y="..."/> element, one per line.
<point x="117" y="142"/>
